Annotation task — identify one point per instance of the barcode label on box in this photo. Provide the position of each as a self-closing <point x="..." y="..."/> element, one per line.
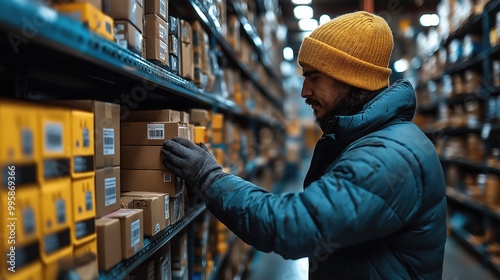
<point x="61" y="211"/>
<point x="163" y="32"/>
<point x="108" y="136"/>
<point x="163" y="8"/>
<point x="135" y="232"/>
<point x="167" y="178"/>
<point x="163" y="50"/>
<point x="88" y="201"/>
<point x="53" y="133"/>
<point x="109" y="191"/>
<point x="156" y="131"/>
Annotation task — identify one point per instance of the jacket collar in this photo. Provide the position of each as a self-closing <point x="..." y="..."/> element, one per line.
<point x="396" y="102"/>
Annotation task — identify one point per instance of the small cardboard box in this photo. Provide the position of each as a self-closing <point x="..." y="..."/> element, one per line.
<point x="155" y="209"/>
<point x="158" y="7"/>
<point x="107" y="190"/>
<point x="199" y="134"/>
<point x="128" y="36"/>
<point x="199" y="117"/>
<point x="109" y="243"/>
<point x="130" y="10"/>
<point x="90" y="16"/>
<point x="155" y="27"/>
<point x="186" y="69"/>
<point x="217" y="121"/>
<point x="131" y="227"/>
<point x="107" y="129"/>
<point x="156" y="50"/>
<point x="166" y="115"/>
<point x="151" y="133"/>
<point x="151" y="180"/>
<point x="142" y="157"/>
<point x="186" y="35"/>
<point x="173" y="46"/>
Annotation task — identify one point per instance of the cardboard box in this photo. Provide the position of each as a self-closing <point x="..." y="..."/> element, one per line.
<point x="142" y="157"/>
<point x="56" y="221"/>
<point x="107" y="129"/>
<point x="199" y="134"/>
<point x="131" y="227"/>
<point x="83" y="194"/>
<point x="199" y="117"/>
<point x="156" y="27"/>
<point x="150" y="180"/>
<point x="173" y="46"/>
<point x="157" y="50"/>
<point x="129" y="10"/>
<point x="151" y="133"/>
<point x="158" y="7"/>
<point x="96" y="3"/>
<point x="186" y="69"/>
<point x="86" y="266"/>
<point x="186" y="35"/>
<point x="108" y="243"/>
<point x="184" y="117"/>
<point x="54" y="125"/>
<point x="86" y="250"/>
<point x="107" y="190"/>
<point x="217" y="136"/>
<point x="19" y="148"/>
<point x="106" y="27"/>
<point x="174" y="26"/>
<point x="217" y="121"/>
<point x="166" y="115"/>
<point x="155" y="208"/>
<point x="82" y="144"/>
<point x="191" y="132"/>
<point x="128" y="36"/>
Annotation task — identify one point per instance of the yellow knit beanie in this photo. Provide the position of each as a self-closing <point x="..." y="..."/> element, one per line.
<point x="354" y="48"/>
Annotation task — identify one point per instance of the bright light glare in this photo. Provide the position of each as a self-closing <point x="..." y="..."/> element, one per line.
<point x="301" y="2"/>
<point x="324" y="19"/>
<point x="429" y="20"/>
<point x="308" y="24"/>
<point x="301" y="12"/>
<point x="401" y="65"/>
<point x="288" y="53"/>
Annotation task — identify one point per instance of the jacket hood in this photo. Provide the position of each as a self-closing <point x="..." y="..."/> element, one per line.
<point x="398" y="101"/>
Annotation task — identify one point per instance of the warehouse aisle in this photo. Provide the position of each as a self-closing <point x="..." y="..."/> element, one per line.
<point x="459" y="263"/>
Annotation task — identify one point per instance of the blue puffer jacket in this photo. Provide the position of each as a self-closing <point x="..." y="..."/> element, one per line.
<point x="374" y="205"/>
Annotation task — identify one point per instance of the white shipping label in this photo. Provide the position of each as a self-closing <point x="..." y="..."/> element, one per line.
<point x="53" y="133"/>
<point x="163" y="33"/>
<point x="163" y="50"/>
<point x="109" y="191"/>
<point x="156" y="131"/>
<point x="135" y="232"/>
<point x="108" y="138"/>
<point x="163" y="8"/>
<point x="167" y="178"/>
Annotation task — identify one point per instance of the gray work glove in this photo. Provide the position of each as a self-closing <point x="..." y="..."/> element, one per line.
<point x="195" y="164"/>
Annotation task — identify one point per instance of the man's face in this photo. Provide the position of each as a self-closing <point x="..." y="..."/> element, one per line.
<point x="323" y="93"/>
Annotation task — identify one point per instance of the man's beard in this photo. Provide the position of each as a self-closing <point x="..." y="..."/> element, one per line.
<point x="352" y="104"/>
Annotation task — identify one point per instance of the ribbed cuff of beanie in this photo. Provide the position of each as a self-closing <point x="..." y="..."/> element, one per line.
<point x="342" y="66"/>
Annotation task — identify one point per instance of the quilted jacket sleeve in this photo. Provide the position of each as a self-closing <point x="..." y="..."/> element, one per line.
<point x="372" y="191"/>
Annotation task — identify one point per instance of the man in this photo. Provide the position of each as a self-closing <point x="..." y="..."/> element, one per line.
<point x="373" y="205"/>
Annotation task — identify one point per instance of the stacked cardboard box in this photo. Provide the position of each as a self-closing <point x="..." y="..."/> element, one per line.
<point x="129" y="22"/>
<point x="143" y="134"/>
<point x="155" y="206"/>
<point x="203" y="75"/>
<point x="156" y="37"/>
<point x="90" y="15"/>
<point x="186" y="67"/>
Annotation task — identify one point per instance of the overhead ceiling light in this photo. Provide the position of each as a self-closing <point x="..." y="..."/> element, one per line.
<point x="429" y="20"/>
<point x="302" y="11"/>
<point x="288" y="53"/>
<point x="301" y="2"/>
<point x="308" y="24"/>
<point x="323" y="19"/>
